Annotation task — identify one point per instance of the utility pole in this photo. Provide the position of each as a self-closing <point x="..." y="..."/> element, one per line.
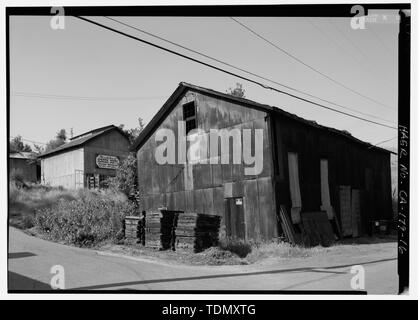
<point x="71" y="132"/>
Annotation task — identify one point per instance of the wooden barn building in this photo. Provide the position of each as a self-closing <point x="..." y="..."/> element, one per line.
<point x="308" y="170"/>
<point x="24" y="163"/>
<point x="87" y="160"/>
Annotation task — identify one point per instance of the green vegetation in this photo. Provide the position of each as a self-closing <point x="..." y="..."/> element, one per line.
<point x="238" y="247"/>
<point x="125" y="180"/>
<point x="78" y="217"/>
<point x="91" y="218"/>
<point x="16" y="145"/>
<point x="25" y="199"/>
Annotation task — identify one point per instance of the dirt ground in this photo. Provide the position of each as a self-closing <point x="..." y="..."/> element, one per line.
<point x="264" y="254"/>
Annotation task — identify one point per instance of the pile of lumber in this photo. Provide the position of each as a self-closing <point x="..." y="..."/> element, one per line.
<point x="159" y="228"/>
<point x="133" y="228"/>
<point x="287" y="226"/>
<point x="196" y="232"/>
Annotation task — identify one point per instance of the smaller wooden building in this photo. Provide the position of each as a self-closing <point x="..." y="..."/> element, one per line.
<point x="25" y="164"/>
<point x="87" y="160"/>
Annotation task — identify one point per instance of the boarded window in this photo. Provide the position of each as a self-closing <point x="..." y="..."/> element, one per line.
<point x="189" y="116"/>
<point x="345" y="209"/>
<point x="325" y="196"/>
<point x="356" y="212"/>
<point x="326" y="201"/>
<point x="294" y="186"/>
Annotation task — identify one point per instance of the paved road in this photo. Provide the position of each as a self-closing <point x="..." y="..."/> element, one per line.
<point x="31" y="260"/>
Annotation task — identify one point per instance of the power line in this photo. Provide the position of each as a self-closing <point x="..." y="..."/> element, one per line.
<point x="231" y="73"/>
<point x="363" y="66"/>
<point x="27" y="140"/>
<point x="353" y="44"/>
<point x="379" y="39"/>
<point x="243" y="70"/>
<point x="381" y="142"/>
<point x="308" y="66"/>
<point x="87" y="98"/>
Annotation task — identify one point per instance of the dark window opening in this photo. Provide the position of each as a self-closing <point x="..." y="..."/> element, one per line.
<point x="190" y="125"/>
<point x="189" y="115"/>
<point x="189" y="110"/>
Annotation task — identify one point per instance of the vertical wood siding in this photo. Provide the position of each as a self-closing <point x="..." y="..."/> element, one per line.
<point x="203" y="188"/>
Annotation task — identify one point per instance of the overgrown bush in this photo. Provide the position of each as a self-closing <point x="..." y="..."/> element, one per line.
<point x="28" y="221"/>
<point x="23" y="202"/>
<point x="126" y="176"/>
<point x="91" y="218"/>
<point x="240" y="247"/>
<point x="16" y="178"/>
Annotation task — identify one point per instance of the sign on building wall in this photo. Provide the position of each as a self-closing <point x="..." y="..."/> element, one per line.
<point x="107" y="162"/>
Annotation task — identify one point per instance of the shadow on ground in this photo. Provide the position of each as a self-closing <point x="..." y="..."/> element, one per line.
<point x="17" y="282"/>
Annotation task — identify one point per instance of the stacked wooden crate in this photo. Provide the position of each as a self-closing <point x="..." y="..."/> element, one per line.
<point x="196" y="231"/>
<point x="133" y="228"/>
<point x="159" y="229"/>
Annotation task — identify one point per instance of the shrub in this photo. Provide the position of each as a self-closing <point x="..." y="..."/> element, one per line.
<point x="16" y="177"/>
<point x="88" y="220"/>
<point x="125" y="179"/>
<point x="240" y="247"/>
<point x="28" y="221"/>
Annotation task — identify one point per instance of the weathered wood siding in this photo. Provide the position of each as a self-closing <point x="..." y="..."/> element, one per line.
<point x="59" y="170"/>
<point x="70" y="167"/>
<point x="27" y="168"/>
<point x="348" y="164"/>
<point x="112" y="143"/>
<point x="203" y="188"/>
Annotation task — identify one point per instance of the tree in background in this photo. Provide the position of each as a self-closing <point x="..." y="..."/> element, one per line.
<point x="238" y="91"/>
<point x="134" y="132"/>
<point x="17" y="145"/>
<point x="59" y="140"/>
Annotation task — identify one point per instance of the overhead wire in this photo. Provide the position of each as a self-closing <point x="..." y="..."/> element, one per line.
<point x="309" y="66"/>
<point x="244" y="70"/>
<point x="229" y="72"/>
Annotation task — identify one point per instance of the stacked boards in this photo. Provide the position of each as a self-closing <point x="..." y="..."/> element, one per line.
<point x="177" y="230"/>
<point x="159" y="228"/>
<point x="133" y="228"/>
<point x="196" y="231"/>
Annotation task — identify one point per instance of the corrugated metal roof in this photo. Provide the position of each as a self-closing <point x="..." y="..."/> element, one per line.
<point x="183" y="87"/>
<point x="78" y="142"/>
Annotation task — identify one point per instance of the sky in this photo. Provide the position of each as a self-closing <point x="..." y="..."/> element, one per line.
<point x="84" y="77"/>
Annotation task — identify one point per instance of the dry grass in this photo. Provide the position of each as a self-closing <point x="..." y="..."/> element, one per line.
<point x="25" y="201"/>
<point x="227" y="253"/>
<point x="282" y="250"/>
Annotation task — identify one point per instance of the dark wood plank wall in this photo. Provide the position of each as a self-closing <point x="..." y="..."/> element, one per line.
<point x="203" y="188"/>
<point x="112" y="143"/>
<point x="26" y="167"/>
<point x="347" y="164"/>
